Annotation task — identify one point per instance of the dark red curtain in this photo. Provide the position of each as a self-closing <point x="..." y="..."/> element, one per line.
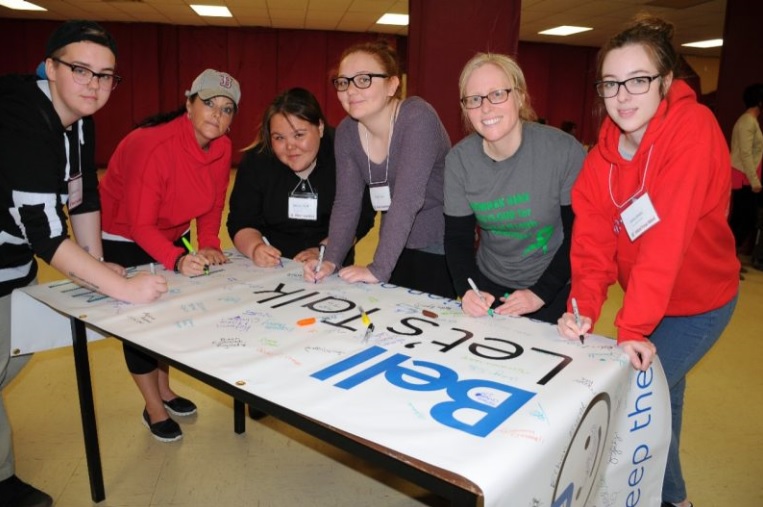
<point x="741" y="60"/>
<point x="159" y="62"/>
<point x="560" y="81"/>
<point x="443" y="35"/>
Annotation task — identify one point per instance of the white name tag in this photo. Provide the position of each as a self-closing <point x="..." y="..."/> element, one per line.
<point x="639" y="217"/>
<point x="380" y="197"/>
<point x="303" y="206"/>
<point x="75" y="192"/>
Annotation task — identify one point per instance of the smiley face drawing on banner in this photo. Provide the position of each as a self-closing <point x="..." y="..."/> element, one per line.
<point x="581" y="462"/>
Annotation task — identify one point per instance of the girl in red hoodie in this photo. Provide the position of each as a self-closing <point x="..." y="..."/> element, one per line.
<point x="651" y="206"/>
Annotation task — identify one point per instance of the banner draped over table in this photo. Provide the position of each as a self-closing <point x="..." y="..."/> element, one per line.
<point x="529" y="417"/>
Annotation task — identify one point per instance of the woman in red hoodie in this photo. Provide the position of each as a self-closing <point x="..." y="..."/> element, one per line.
<point x="651" y="206"/>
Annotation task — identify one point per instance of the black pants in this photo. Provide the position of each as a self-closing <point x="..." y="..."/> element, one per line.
<point x="550" y="312"/>
<point x="423" y="271"/>
<point x="129" y="254"/>
<point x="744" y="216"/>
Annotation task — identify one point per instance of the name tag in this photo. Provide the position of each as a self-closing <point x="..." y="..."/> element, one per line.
<point x="75" y="192"/>
<point x="380" y="197"/>
<point x="303" y="206"/>
<point x="639" y="217"/>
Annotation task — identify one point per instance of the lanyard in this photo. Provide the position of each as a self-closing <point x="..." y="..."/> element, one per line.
<point x="389" y="143"/>
<point x="301" y="183"/>
<point x="635" y="194"/>
<point x="73" y="158"/>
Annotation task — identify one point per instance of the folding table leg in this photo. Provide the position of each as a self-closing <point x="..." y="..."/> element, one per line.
<point x="87" y="410"/>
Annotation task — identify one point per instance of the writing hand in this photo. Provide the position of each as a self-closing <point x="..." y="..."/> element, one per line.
<point x="145" y="287"/>
<point x="641" y="353"/>
<point x="568" y="328"/>
<point x="474" y="305"/>
<point x="193" y="265"/>
<point x="266" y="256"/>
<point x="308" y="270"/>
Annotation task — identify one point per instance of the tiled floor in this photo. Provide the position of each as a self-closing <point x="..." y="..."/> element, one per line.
<point x="274" y="465"/>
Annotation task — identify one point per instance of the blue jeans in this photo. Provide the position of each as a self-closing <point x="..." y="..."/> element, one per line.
<point x="681" y="342"/>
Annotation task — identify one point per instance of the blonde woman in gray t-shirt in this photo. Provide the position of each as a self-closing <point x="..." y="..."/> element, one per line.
<point x="511" y="178"/>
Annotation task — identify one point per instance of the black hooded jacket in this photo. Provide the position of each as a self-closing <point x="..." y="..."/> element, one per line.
<point x="34" y="170"/>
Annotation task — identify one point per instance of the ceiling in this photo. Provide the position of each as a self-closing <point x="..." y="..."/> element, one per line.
<point x="694" y="19"/>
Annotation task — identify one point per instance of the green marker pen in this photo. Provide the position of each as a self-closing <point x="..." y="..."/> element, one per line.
<point x="191" y="251"/>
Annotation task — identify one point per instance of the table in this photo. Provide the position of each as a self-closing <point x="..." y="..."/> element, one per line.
<point x="494" y="411"/>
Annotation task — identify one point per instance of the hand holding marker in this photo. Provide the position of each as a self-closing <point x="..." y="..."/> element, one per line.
<point x="193" y="252"/>
<point x="321" y="251"/>
<point x="479" y="294"/>
<point x="265" y="240"/>
<point x="576" y="313"/>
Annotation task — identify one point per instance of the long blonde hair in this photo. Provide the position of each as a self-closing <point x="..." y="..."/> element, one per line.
<point x="512" y="71"/>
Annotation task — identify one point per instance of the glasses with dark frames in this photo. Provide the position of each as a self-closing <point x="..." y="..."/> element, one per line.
<point x="638" y="85"/>
<point x="84" y="76"/>
<point x="495" y="97"/>
<point x="361" y="81"/>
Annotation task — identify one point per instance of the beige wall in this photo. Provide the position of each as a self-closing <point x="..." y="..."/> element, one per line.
<point x="707" y="69"/>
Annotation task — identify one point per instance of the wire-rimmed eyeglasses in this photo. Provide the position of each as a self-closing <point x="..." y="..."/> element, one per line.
<point x="361" y="81"/>
<point x="495" y="97"/>
<point x="83" y="76"/>
<point x="635" y="86"/>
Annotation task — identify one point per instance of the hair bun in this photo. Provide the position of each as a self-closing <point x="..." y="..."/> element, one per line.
<point x="654" y="24"/>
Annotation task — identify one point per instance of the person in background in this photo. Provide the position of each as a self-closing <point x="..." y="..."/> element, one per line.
<point x="651" y="212"/>
<point x="41" y="121"/>
<point x="172" y="169"/>
<point x="396" y="148"/>
<point x="570" y="127"/>
<point x="512" y="178"/>
<point x="285" y="185"/>
<point x="746" y="155"/>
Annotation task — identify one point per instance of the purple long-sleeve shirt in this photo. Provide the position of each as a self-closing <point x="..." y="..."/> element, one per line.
<point x="416" y="172"/>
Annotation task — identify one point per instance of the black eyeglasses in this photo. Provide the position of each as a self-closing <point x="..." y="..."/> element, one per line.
<point x="495" y="97"/>
<point x="83" y="76"/>
<point x="638" y="85"/>
<point x="361" y="81"/>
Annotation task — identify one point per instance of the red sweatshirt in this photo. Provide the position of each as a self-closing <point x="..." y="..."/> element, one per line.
<point x="684" y="265"/>
<point x="158" y="180"/>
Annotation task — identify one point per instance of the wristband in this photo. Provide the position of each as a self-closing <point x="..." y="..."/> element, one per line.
<point x="176" y="267"/>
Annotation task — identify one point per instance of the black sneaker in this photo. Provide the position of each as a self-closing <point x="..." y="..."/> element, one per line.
<point x="16" y="493"/>
<point x="180" y="406"/>
<point x="164" y="431"/>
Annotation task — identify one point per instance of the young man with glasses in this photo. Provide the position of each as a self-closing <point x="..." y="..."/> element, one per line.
<point x="47" y="159"/>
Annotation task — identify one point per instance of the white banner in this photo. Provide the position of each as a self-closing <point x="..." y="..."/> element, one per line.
<point x="531" y="418"/>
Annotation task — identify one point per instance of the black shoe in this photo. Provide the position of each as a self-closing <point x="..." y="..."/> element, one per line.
<point x="256" y="414"/>
<point x="180" y="406"/>
<point x="164" y="431"/>
<point x="668" y="504"/>
<point x="16" y="493"/>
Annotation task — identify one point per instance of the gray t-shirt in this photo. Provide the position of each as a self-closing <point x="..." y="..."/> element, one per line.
<point x="515" y="201"/>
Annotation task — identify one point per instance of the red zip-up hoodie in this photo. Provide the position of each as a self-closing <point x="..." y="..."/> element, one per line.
<point x="684" y="265"/>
